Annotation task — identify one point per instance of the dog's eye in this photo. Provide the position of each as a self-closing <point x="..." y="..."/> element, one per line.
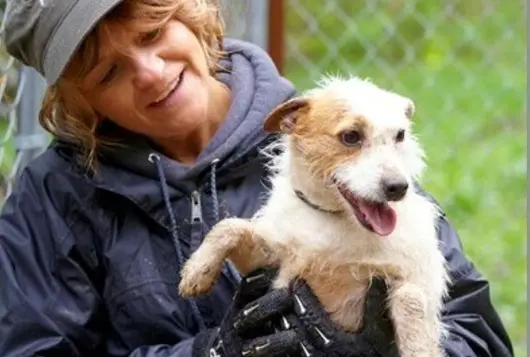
<point x="351" y="137"/>
<point x="400" y="136"/>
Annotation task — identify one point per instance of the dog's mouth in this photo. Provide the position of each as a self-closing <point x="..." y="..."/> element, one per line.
<point x="377" y="217"/>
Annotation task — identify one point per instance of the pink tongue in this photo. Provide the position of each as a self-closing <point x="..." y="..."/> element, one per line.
<point x="380" y="215"/>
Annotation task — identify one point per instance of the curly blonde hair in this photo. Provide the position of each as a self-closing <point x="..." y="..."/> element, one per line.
<point x="67" y="115"/>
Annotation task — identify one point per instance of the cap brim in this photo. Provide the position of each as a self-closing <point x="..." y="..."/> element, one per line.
<point x="81" y="19"/>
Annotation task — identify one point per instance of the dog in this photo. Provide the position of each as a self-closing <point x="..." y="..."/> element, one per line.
<point x="342" y="209"/>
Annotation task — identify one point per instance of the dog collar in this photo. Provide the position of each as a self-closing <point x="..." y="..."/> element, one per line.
<point x="304" y="198"/>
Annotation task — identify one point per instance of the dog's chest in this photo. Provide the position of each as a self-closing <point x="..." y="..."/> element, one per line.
<point x="306" y="225"/>
<point x="342" y="294"/>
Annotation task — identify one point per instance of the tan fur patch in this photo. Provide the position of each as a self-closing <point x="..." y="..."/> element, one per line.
<point x="317" y="133"/>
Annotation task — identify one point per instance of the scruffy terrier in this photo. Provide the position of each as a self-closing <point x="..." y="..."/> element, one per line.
<point x="342" y="209"/>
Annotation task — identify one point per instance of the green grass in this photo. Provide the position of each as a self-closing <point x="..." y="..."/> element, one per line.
<point x="476" y="147"/>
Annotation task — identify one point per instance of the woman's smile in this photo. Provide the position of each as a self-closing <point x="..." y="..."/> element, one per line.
<point x="170" y="95"/>
<point x="164" y="77"/>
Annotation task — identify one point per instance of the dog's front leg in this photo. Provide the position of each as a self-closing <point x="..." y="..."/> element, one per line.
<point x="231" y="238"/>
<point x="415" y="320"/>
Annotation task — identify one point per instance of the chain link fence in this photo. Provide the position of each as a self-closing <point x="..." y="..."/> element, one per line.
<point x="22" y="139"/>
<point x="464" y="65"/>
<point x="462" y="62"/>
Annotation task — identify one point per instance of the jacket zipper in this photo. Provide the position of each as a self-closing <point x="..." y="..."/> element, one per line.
<point x="196" y="208"/>
<point x="197" y="234"/>
<point x="196" y="220"/>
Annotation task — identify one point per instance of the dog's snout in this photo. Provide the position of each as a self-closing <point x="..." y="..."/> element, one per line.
<point x="395" y="189"/>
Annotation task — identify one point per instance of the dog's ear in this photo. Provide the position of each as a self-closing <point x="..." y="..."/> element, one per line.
<point x="284" y="116"/>
<point x="410" y="109"/>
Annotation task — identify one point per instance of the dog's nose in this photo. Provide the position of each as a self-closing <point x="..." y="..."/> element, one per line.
<point x="395" y="190"/>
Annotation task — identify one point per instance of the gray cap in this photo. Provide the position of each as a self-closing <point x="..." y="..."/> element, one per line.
<point x="44" y="34"/>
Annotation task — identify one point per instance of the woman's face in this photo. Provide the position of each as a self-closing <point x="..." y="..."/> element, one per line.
<point x="160" y="88"/>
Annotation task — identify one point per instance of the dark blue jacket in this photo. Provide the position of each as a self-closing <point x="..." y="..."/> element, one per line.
<point x="89" y="264"/>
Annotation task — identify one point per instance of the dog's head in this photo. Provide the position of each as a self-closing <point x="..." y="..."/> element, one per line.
<point x="354" y="138"/>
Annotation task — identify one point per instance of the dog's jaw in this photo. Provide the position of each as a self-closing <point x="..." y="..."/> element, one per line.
<point x="331" y="195"/>
<point x="377" y="217"/>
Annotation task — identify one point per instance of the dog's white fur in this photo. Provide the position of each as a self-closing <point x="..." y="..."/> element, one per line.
<point x="333" y="252"/>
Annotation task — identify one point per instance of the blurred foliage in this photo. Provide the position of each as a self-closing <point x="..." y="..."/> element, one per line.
<point x="463" y="63"/>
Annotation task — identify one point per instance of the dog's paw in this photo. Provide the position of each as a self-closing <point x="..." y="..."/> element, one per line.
<point x="198" y="276"/>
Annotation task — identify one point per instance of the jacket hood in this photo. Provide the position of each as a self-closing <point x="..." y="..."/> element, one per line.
<point x="258" y="88"/>
<point x="256" y="83"/>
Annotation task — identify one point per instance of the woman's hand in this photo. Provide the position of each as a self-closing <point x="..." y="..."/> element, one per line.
<point x="247" y="328"/>
<point x="292" y="322"/>
<point x="319" y="336"/>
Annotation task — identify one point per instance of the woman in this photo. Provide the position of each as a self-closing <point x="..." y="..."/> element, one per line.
<point x="157" y="120"/>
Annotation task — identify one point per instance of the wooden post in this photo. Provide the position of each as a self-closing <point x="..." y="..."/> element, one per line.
<point x="276" y="37"/>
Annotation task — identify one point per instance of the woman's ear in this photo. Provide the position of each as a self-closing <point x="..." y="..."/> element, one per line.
<point x="284" y="117"/>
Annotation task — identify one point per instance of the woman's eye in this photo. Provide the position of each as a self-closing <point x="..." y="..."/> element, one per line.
<point x="109" y="75"/>
<point x="151" y="36"/>
<point x="351" y="138"/>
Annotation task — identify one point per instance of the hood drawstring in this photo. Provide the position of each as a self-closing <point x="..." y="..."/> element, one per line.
<point x="217" y="216"/>
<point x="155" y="159"/>
<point x="213" y="187"/>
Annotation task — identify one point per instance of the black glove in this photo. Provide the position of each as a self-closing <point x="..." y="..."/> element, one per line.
<point x="319" y="336"/>
<point x="247" y="328"/>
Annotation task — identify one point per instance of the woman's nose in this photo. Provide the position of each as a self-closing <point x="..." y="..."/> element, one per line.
<point x="148" y="70"/>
